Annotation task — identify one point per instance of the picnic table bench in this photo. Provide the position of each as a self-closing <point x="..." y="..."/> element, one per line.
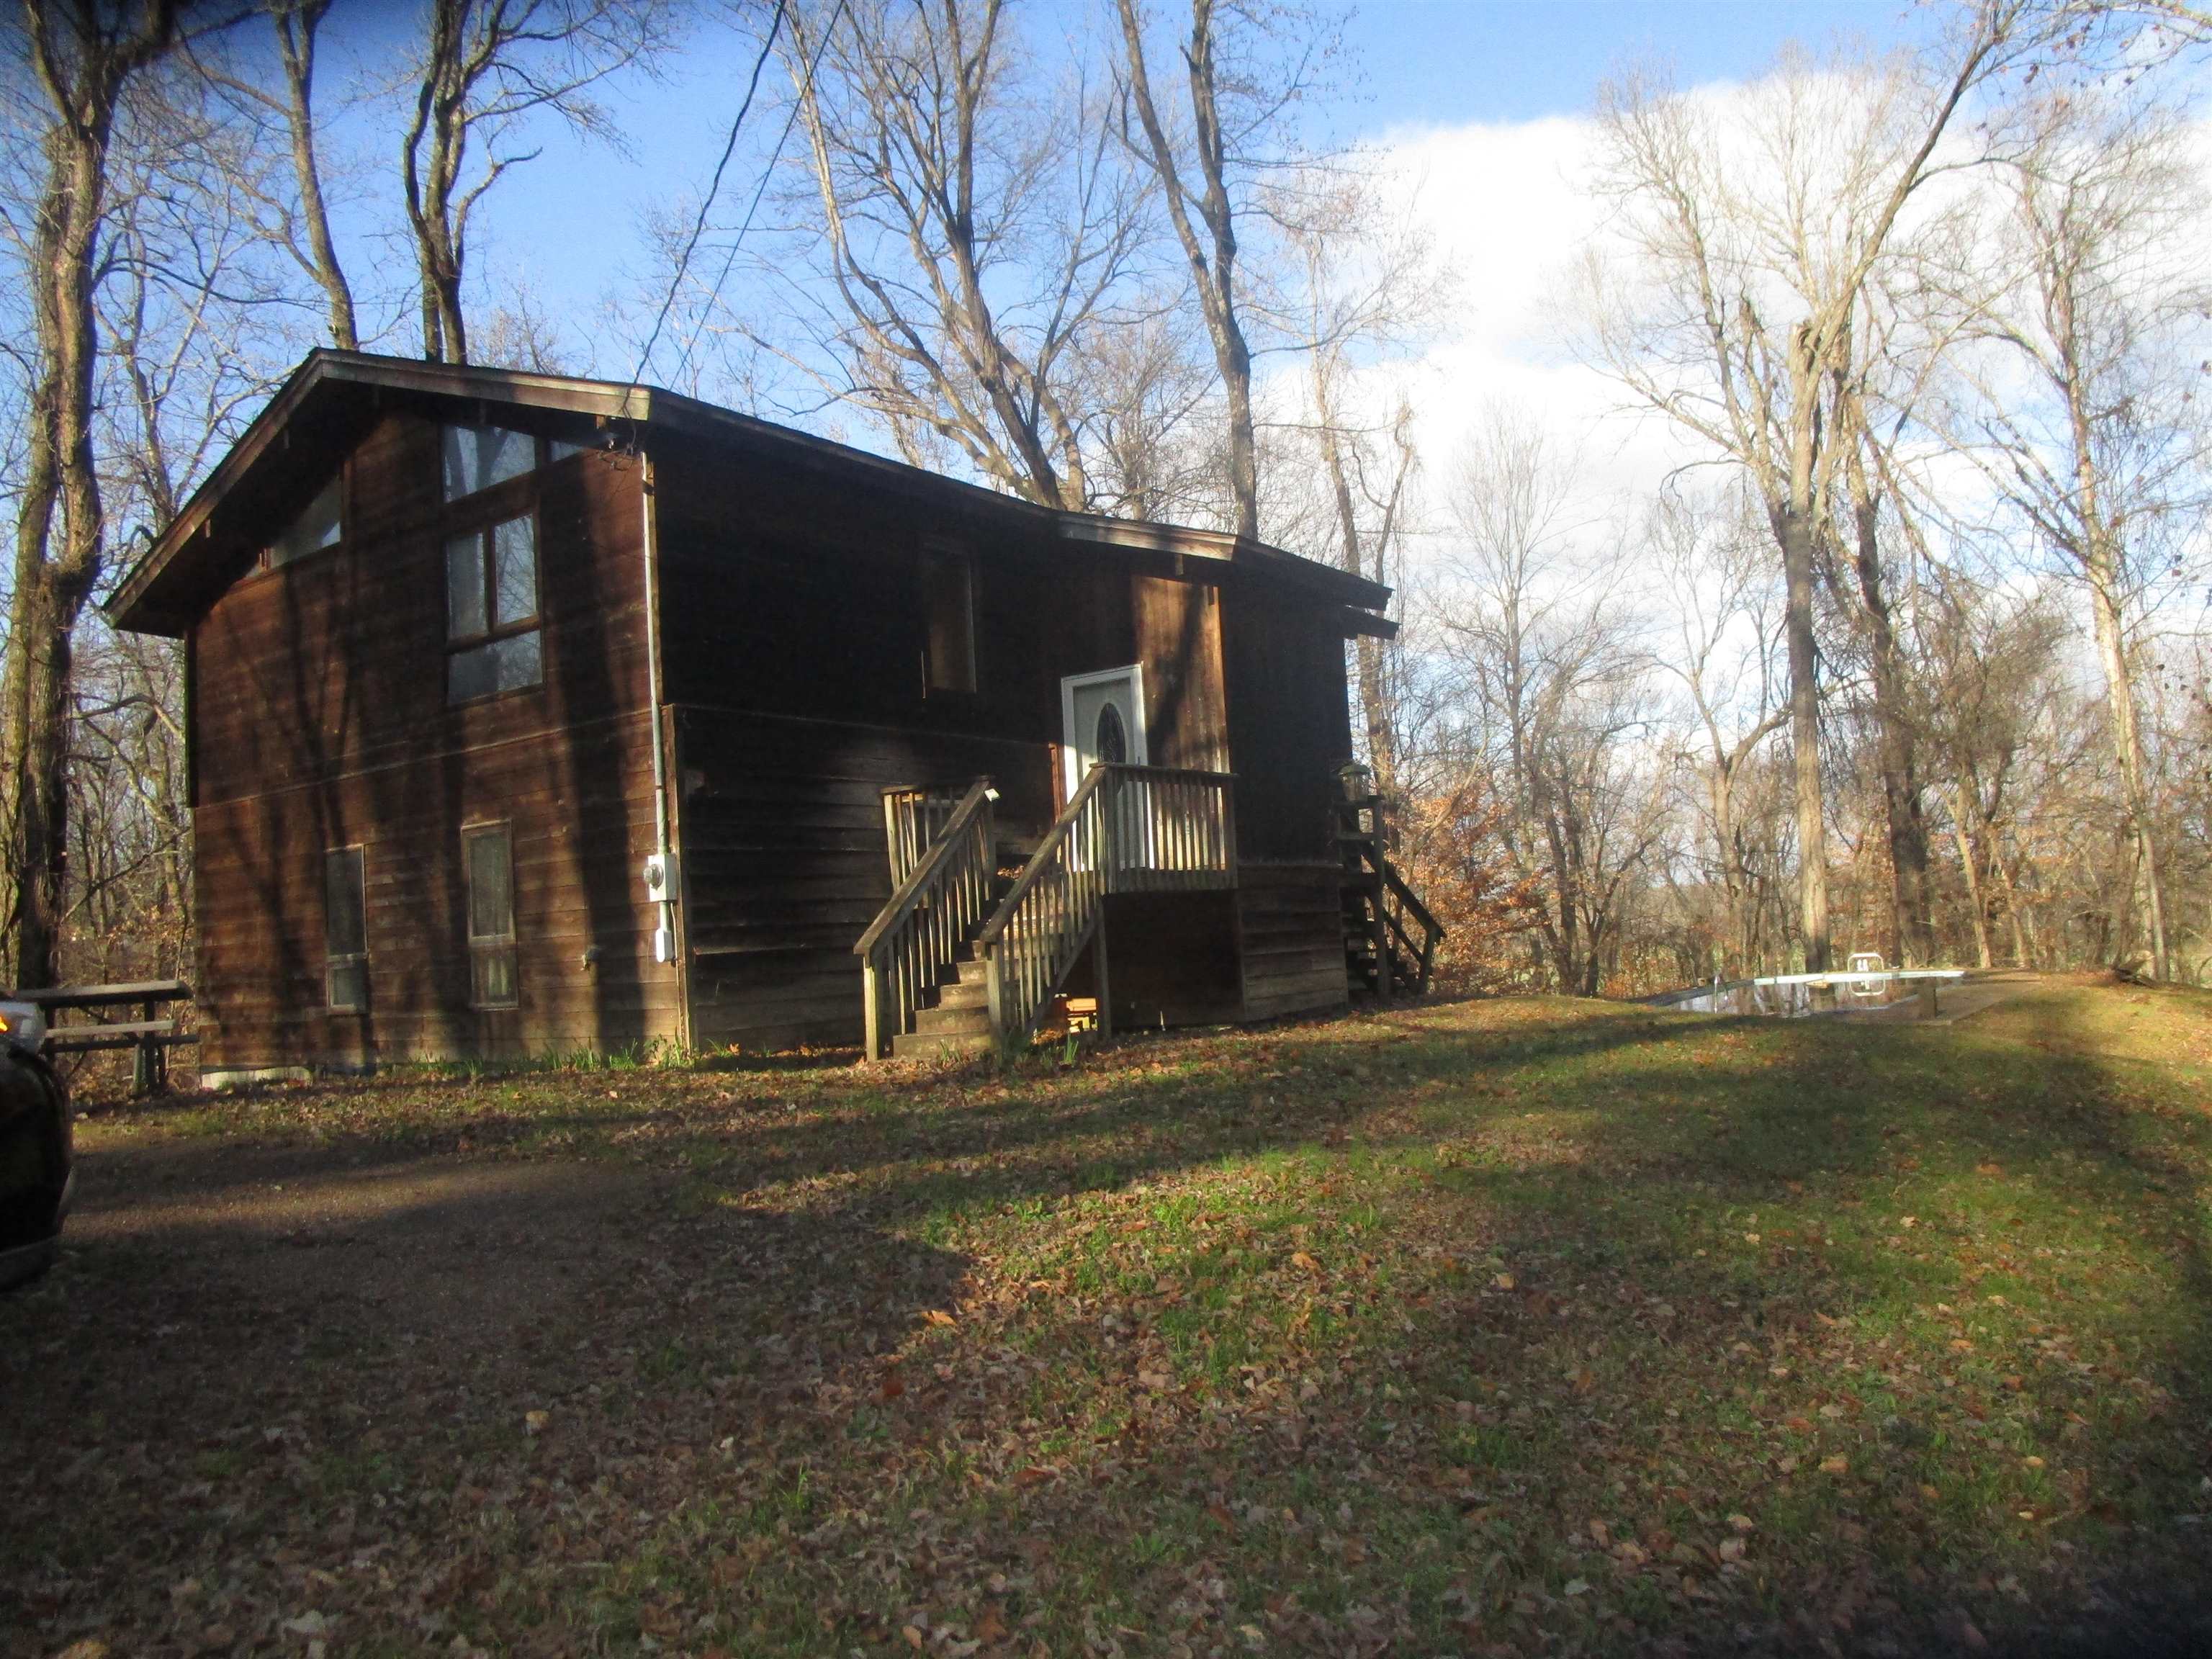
<point x="151" y="1034"/>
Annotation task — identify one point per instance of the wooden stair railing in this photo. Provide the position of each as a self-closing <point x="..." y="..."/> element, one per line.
<point x="915" y="815"/>
<point x="1126" y="830"/>
<point x="929" y="916"/>
<point x="1050" y="913"/>
<point x="1390" y="936"/>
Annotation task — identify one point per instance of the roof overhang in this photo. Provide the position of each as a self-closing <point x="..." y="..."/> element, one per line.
<point x="333" y="395"/>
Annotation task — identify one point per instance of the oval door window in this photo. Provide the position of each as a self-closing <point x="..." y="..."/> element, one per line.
<point x="1112" y="746"/>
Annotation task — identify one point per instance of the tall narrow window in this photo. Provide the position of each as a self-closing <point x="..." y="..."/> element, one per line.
<point x="318" y="525"/>
<point x="491" y="611"/>
<point x="948" y="604"/>
<point x="490" y="853"/>
<point x="345" y="929"/>
<point x="479" y="457"/>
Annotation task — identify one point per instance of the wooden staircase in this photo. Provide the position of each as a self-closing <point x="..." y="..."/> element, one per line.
<point x="968" y="950"/>
<point x="956" y="1014"/>
<point x="1390" y="937"/>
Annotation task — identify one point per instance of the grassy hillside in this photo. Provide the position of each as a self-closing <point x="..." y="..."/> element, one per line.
<point x="1480" y="1328"/>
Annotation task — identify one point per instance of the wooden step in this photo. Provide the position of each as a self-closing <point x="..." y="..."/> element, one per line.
<point x="955" y="1021"/>
<point x="933" y="1045"/>
<point x="964" y="993"/>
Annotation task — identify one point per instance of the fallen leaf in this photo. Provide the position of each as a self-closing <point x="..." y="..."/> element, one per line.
<point x="1303" y="1263"/>
<point x="990" y="1626"/>
<point x="1035" y="1475"/>
<point x="1503" y="1281"/>
<point x="938" y="1316"/>
<point x="1835" y="1465"/>
<point x="535" y="1422"/>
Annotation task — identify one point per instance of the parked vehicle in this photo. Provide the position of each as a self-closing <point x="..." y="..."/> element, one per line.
<point x="37" y="1174"/>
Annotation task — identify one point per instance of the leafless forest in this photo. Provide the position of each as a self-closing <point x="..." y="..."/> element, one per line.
<point x="1908" y="650"/>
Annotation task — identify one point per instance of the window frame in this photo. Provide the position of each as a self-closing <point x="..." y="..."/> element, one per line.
<point x="482" y="529"/>
<point x="335" y="960"/>
<point x="942" y="554"/>
<point x="481" y="944"/>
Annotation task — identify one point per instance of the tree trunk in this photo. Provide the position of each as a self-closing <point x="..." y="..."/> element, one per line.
<point x="1795" y="533"/>
<point x="1212" y="257"/>
<point x="1367" y="653"/>
<point x="2102" y="569"/>
<point x="83" y="87"/>
<point x="1961" y="807"/>
<point x="1914" y="934"/>
<point x="296" y="39"/>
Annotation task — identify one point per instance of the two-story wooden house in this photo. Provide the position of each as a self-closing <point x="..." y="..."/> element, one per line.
<point x="530" y="714"/>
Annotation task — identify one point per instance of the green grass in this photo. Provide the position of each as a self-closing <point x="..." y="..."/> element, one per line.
<point x="1489" y="1328"/>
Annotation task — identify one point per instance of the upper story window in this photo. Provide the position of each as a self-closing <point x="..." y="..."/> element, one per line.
<point x="491" y="611"/>
<point x="948" y="604"/>
<point x="479" y="457"/>
<point x="321" y="525"/>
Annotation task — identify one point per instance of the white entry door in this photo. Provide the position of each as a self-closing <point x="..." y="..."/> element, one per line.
<point x="1101" y="719"/>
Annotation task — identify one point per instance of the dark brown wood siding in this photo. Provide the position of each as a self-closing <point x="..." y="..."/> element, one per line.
<point x="1178" y="637"/>
<point x="1290" y="928"/>
<point x="792" y="645"/>
<point x="1290" y="722"/>
<point x="781" y="830"/>
<point x="320" y="720"/>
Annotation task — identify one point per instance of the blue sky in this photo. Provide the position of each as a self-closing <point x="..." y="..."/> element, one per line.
<point x="1445" y="62"/>
<point x="569" y="220"/>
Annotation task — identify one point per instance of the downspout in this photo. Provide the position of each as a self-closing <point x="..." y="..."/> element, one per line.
<point x="659" y="871"/>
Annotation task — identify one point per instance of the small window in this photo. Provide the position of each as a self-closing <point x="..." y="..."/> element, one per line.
<point x="491" y="611"/>
<point x="1111" y="743"/>
<point x="948" y="600"/>
<point x="318" y="527"/>
<point x="479" y="457"/>
<point x="489" y="853"/>
<point x="345" y="929"/>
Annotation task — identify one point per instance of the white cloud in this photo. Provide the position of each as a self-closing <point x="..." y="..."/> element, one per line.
<point x="1508" y="208"/>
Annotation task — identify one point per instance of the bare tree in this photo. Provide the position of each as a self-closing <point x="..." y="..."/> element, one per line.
<point x="1728" y="297"/>
<point x="1246" y="65"/>
<point x="490" y="73"/>
<point x="1554" y="689"/>
<point x="296" y="219"/>
<point x="82" y="62"/>
<point x="1366" y="282"/>
<point x="1720" y="578"/>
<point x="2084" y="417"/>
<point x="976" y="232"/>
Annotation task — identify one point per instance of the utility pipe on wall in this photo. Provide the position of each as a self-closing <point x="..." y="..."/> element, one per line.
<point x="660" y="874"/>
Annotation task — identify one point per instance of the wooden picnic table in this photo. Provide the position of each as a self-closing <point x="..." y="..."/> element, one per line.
<point x="150" y="1034"/>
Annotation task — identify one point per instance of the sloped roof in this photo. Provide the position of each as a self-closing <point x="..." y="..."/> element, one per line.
<point x="331" y="394"/>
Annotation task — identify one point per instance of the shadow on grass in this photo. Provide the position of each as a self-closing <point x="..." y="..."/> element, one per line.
<point x="1554" y="1269"/>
